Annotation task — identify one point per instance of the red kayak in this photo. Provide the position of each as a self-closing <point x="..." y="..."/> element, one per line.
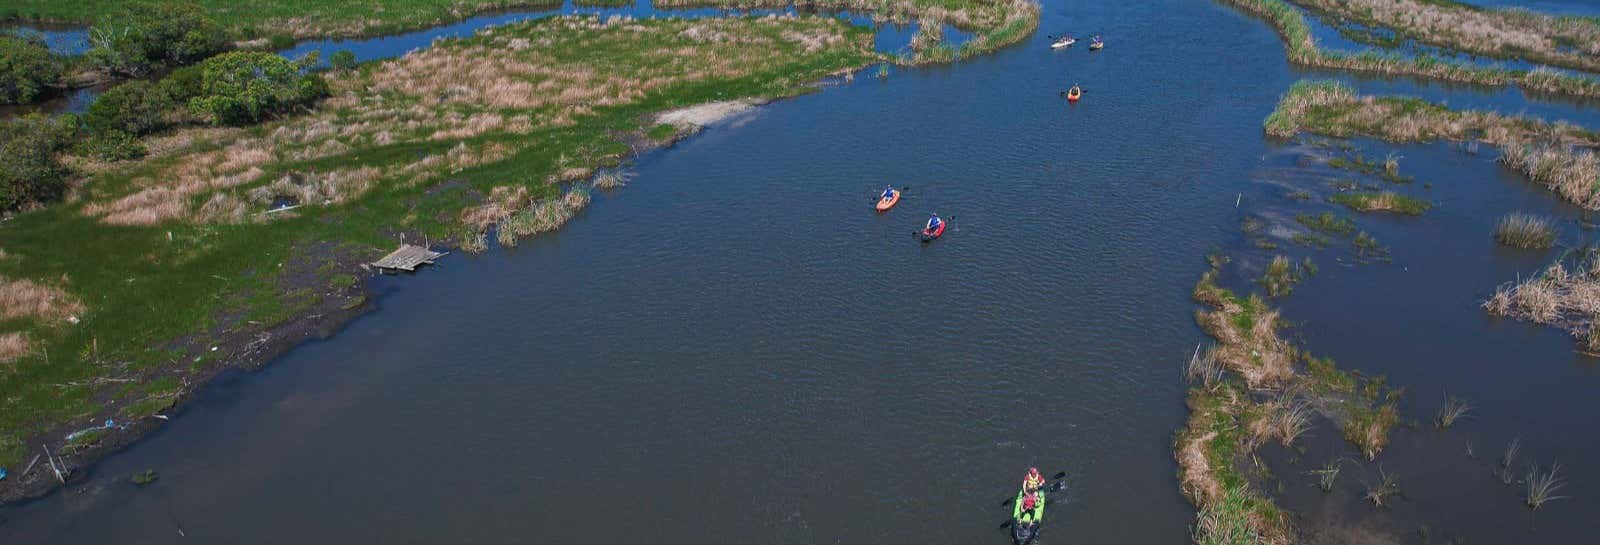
<point x="929" y="234"/>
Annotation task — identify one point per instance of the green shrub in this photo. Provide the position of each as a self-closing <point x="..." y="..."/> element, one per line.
<point x="342" y="60"/>
<point x="26" y="68"/>
<point x="182" y="84"/>
<point x="137" y="107"/>
<point x="29" y="170"/>
<point x="246" y="87"/>
<point x="147" y="35"/>
<point x="112" y="145"/>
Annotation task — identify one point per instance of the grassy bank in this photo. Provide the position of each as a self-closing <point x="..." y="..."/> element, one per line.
<point x="996" y="23"/>
<point x="296" y="18"/>
<point x="149" y="264"/>
<point x="1555" y="155"/>
<point x="1570" y="42"/>
<point x="1253" y="387"/>
<point x="1302" y="49"/>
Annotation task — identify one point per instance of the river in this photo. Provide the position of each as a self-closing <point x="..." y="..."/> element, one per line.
<point x="735" y="349"/>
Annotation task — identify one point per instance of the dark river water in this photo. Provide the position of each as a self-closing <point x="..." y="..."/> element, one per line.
<point x="735" y="349"/>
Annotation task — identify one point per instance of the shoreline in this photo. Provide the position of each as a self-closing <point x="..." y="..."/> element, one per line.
<point x="250" y="349"/>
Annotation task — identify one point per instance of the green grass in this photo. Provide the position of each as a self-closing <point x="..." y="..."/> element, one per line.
<point x="1381" y="201"/>
<point x="146" y="286"/>
<point x="1327" y="223"/>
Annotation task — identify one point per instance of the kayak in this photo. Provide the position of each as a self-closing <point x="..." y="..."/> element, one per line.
<point x="929" y="234"/>
<point x="1024" y="534"/>
<point x="1063" y="42"/>
<point x="1096" y="46"/>
<point x="886" y="203"/>
<point x="1073" y="95"/>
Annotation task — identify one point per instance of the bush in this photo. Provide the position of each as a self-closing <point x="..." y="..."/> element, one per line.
<point x="29" y="171"/>
<point x="136" y="107"/>
<point x="182" y="84"/>
<point x="342" y="60"/>
<point x="26" y="68"/>
<point x="112" y="145"/>
<point x="145" y="36"/>
<point x="246" y="87"/>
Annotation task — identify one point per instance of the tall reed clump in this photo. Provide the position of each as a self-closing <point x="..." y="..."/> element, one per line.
<point x="1569" y="299"/>
<point x="1280" y="277"/>
<point x="1573" y="174"/>
<point x="1454" y="409"/>
<point x="1227" y="521"/>
<point x="1543" y="485"/>
<point x="1523" y="230"/>
<point x="544" y="216"/>
<point x="1204" y="368"/>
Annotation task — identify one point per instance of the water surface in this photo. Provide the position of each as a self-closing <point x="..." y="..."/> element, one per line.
<point x="735" y="349"/>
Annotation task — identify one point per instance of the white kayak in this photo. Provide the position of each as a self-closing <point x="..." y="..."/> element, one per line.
<point x="1063" y="42"/>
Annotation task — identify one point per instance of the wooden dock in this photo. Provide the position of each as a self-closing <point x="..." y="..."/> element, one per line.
<point x="407" y="258"/>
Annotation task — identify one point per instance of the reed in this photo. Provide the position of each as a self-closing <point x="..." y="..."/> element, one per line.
<point x="1327" y="475"/>
<point x="1543" y="486"/>
<point x="1279" y="277"/>
<point x="1523" y="230"/>
<point x="1509" y="457"/>
<point x="1203" y="367"/>
<point x="611" y="179"/>
<point x="1454" y="409"/>
<point x="1380" y="491"/>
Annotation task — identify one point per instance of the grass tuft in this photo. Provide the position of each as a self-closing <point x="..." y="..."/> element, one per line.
<point x="1381" y="201"/>
<point x="1523" y="230"/>
<point x="1542" y="486"/>
<point x="1454" y="409"/>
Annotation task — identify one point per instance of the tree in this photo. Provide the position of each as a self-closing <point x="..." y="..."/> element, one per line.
<point x="144" y="36"/>
<point x="26" y="68"/>
<point x="246" y="87"/>
<point x="29" y="171"/>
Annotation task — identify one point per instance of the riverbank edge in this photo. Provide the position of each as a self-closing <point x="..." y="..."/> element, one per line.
<point x="251" y="349"/>
<point x="1302" y="49"/>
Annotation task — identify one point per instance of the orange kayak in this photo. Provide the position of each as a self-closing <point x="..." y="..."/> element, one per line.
<point x="888" y="202"/>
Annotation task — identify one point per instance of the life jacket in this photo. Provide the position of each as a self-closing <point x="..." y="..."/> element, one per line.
<point x="1028" y="516"/>
<point x="933" y="223"/>
<point x="888" y="193"/>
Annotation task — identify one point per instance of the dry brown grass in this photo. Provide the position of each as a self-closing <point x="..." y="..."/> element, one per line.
<point x="1250" y="347"/>
<point x="13" y="346"/>
<point x="507" y="82"/>
<point x="1505" y="33"/>
<point x="22" y="298"/>
<point x="1551" y="154"/>
<point x="1557" y="297"/>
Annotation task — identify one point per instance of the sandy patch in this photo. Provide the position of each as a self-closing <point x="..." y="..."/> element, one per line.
<point x="706" y="114"/>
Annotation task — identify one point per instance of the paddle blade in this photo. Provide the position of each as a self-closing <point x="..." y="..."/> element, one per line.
<point x="1006" y="524"/>
<point x="1059" y="476"/>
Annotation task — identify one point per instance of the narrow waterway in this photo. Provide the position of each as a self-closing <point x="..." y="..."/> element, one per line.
<point x="735" y="349"/>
